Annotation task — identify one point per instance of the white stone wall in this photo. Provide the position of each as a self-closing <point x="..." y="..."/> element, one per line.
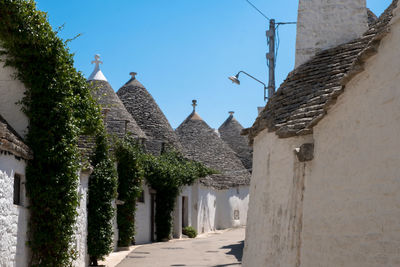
<point x="323" y="24"/>
<point x="204" y="207"/>
<point x="352" y="201"/>
<point x="143" y="219"/>
<point x="230" y="203"/>
<point x="177" y="223"/>
<point x="13" y="218"/>
<point x="272" y="231"/>
<point x="12" y="91"/>
<point x="213" y="209"/>
<point x="341" y="208"/>
<point x="81" y="221"/>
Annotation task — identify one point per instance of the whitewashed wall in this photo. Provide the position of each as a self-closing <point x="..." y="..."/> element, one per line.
<point x="352" y="201"/>
<point x="323" y="24"/>
<point x="81" y="221"/>
<point x="230" y="203"/>
<point x="215" y="209"/>
<point x="204" y="207"/>
<point x="350" y="211"/>
<point x="12" y="91"/>
<point x="13" y="218"/>
<point x="272" y="231"/>
<point x="143" y="219"/>
<point x="185" y="192"/>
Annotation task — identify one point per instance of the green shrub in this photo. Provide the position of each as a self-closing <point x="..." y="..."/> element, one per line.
<point x="167" y="174"/>
<point x="189" y="231"/>
<point x="102" y="190"/>
<point x="130" y="176"/>
<point x="60" y="108"/>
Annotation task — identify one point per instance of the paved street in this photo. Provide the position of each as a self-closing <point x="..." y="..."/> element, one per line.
<point x="216" y="250"/>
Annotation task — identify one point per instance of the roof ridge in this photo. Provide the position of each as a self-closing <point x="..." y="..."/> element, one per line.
<point x="299" y="103"/>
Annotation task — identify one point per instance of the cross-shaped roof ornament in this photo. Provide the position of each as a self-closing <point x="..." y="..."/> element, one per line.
<point x="194" y="104"/>
<point x="231" y="113"/>
<point x="97" y="61"/>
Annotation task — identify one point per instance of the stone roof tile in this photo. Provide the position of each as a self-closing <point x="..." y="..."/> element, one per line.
<point x="11" y="142"/>
<point x="305" y="96"/>
<point x="118" y="120"/>
<point x="202" y="143"/>
<point x="144" y="109"/>
<point x="230" y="133"/>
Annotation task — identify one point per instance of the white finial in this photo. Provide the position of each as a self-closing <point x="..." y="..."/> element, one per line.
<point x="194" y="104"/>
<point x="133" y="74"/>
<point x="231" y="113"/>
<point x="97" y="74"/>
<point x="97" y="61"/>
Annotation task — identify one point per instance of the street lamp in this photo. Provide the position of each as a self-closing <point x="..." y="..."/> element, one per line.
<point x="235" y="79"/>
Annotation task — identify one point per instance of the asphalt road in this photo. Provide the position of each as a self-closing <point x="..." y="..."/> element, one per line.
<point x="216" y="250"/>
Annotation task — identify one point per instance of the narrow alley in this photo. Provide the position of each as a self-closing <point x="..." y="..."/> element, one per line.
<point x="219" y="249"/>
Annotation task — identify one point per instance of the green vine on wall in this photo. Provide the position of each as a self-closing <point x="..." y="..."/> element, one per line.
<point x="130" y="177"/>
<point x="167" y="174"/>
<point x="60" y="108"/>
<point x="102" y="190"/>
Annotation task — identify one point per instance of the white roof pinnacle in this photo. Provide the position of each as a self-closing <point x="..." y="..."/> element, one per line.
<point x="97" y="75"/>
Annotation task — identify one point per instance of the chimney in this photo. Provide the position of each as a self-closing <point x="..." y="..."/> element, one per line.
<point x="323" y="24"/>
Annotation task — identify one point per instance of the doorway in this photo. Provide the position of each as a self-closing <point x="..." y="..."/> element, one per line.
<point x="185" y="212"/>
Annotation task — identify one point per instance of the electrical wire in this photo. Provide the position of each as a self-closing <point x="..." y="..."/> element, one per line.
<point x="277" y="43"/>
<point x="259" y="11"/>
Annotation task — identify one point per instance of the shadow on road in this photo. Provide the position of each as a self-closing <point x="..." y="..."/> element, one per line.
<point x="235" y="250"/>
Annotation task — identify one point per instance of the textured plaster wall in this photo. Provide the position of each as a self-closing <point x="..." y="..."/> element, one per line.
<point x="143" y="219"/>
<point x="229" y="202"/>
<point x="186" y="192"/>
<point x="213" y="209"/>
<point x="12" y="91"/>
<point x="275" y="205"/>
<point x="205" y="208"/>
<point x="13" y="218"/>
<point x="81" y="222"/>
<point x="323" y="24"/>
<point x="352" y="200"/>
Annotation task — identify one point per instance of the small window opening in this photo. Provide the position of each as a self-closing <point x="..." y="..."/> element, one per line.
<point x="17" y="190"/>
<point x="141" y="197"/>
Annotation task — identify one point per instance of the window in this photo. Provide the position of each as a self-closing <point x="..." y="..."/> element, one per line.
<point x="17" y="190"/>
<point x="141" y="197"/>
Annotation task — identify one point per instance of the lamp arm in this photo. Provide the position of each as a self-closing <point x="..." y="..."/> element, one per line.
<point x="237" y="75"/>
<point x="265" y="86"/>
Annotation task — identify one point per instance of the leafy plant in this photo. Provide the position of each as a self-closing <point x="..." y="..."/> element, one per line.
<point x="189" y="231"/>
<point x="102" y="190"/>
<point x="167" y="174"/>
<point x="130" y="177"/>
<point x="60" y="108"/>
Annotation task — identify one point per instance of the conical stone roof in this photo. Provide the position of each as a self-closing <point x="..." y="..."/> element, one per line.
<point x="118" y="120"/>
<point x="201" y="143"/>
<point x="144" y="109"/>
<point x="230" y="132"/>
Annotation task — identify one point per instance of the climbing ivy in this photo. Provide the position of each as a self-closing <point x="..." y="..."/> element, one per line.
<point x="102" y="190"/>
<point x="59" y="108"/>
<point x="167" y="174"/>
<point x="129" y="156"/>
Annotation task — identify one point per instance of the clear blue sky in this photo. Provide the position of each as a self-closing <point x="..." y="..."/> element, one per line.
<point x="183" y="49"/>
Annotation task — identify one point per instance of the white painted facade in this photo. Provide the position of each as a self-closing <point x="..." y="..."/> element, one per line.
<point x="11" y="92"/>
<point x="214" y="209"/>
<point x="143" y="218"/>
<point x="341" y="208"/>
<point x="182" y="211"/>
<point x="13" y="218"/>
<point x="322" y="24"/>
<point x="81" y="221"/>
